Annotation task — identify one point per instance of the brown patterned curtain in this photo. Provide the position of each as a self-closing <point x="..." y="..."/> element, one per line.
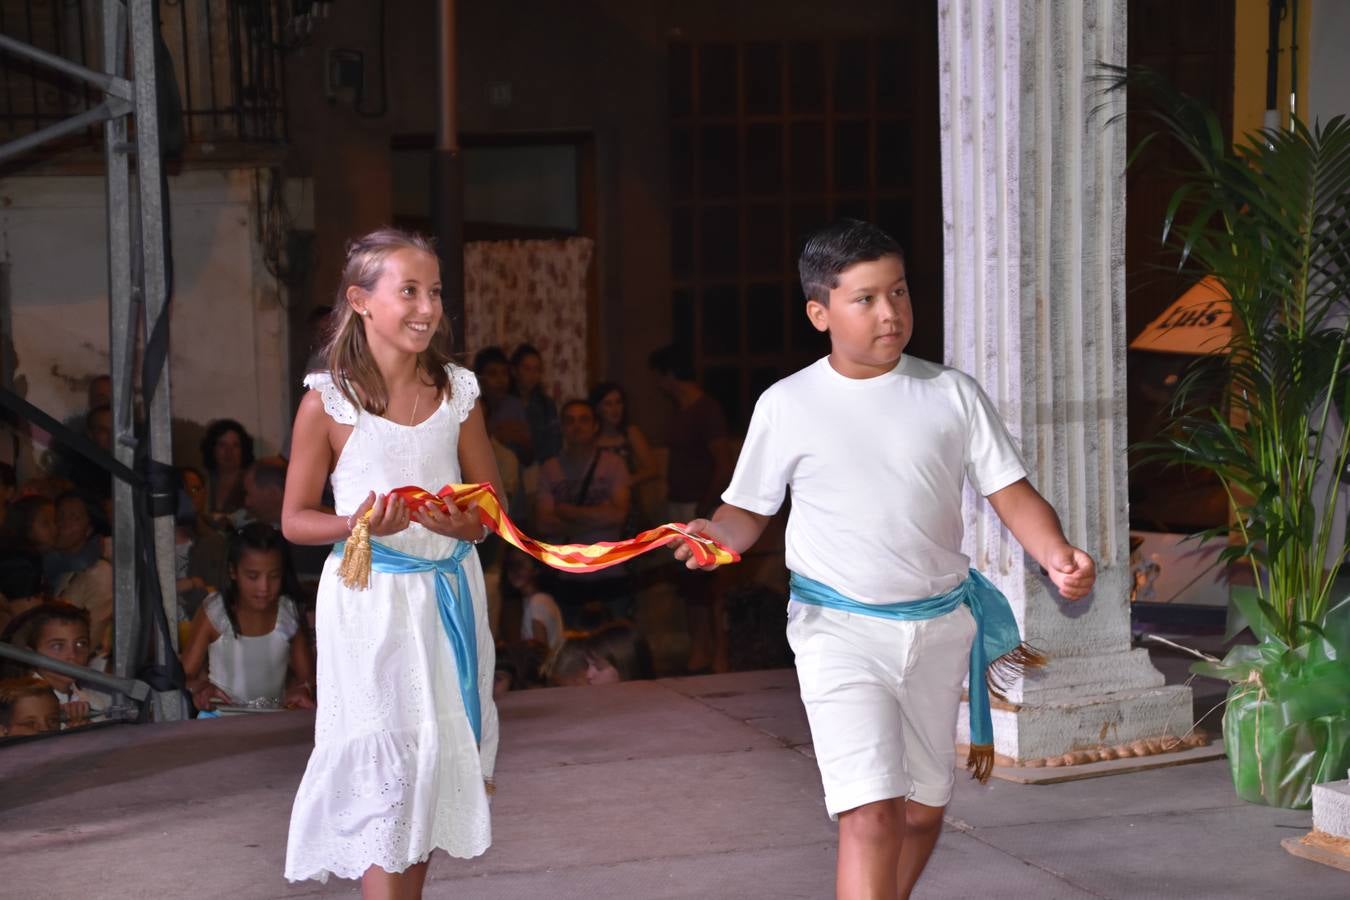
<point x="535" y="292"/>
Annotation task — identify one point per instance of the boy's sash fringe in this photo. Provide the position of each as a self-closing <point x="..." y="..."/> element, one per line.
<point x="1000" y="676"/>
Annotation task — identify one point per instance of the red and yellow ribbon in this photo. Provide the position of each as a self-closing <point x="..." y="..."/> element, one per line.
<point x="355" y="570"/>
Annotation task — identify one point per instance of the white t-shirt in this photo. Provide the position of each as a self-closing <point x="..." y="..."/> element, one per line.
<point x="541" y="607"/>
<point x="876" y="468"/>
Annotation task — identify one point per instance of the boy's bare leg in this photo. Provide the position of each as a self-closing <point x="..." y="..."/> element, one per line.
<point x="923" y="824"/>
<point x="869" y="850"/>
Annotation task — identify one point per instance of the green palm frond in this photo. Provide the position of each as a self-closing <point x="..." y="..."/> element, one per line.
<point x="1270" y="219"/>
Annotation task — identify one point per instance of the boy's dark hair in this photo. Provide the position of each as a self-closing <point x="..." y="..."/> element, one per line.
<point x="26" y="627"/>
<point x="830" y="250"/>
<point x="489" y="356"/>
<point x="214" y="432"/>
<point x="263" y="538"/>
<point x="673" y="360"/>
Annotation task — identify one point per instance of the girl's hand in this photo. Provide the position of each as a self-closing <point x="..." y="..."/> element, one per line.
<point x="454" y="522"/>
<point x="207" y="695"/>
<point x="299" y="696"/>
<point x="389" y="514"/>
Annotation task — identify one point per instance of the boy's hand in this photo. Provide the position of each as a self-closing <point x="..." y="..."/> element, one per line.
<point x="75" y="713"/>
<point x="686" y="555"/>
<point x="1072" y="571"/>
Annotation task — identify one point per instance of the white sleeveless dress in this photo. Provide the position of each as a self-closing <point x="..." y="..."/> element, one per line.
<point x="250" y="668"/>
<point x="395" y="771"/>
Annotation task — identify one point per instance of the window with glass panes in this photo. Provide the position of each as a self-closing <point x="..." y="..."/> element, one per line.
<point x="768" y="140"/>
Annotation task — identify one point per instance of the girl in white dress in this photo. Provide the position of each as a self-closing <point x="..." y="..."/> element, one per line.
<point x="405" y="739"/>
<point x="250" y="635"/>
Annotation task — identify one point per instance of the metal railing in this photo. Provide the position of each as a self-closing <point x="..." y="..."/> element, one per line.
<point x="226" y="65"/>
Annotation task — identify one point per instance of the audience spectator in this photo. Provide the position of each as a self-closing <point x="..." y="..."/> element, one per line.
<point x="28" y="707"/>
<point x="244" y="639"/>
<point x="503" y="410"/>
<point x="616" y="652"/>
<point x="583" y="498"/>
<point x="61" y="631"/>
<point x="200" y="548"/>
<point x="86" y="476"/>
<point x="626" y="440"/>
<point x="698" y="470"/>
<point x="520" y="665"/>
<point x="540" y="619"/>
<point x="264" y="487"/>
<point x="30" y="524"/>
<point x="77" y="545"/>
<point x="541" y="412"/>
<point x="227" y="452"/>
<point x="569" y="665"/>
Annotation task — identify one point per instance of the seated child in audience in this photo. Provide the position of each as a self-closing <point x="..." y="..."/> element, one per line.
<point x="61" y="631"/>
<point x="520" y="665"/>
<point x="569" y="665"/>
<point x="27" y="707"/>
<point x="617" y="652"/>
<point x="540" y="618"/>
<point x="244" y="638"/>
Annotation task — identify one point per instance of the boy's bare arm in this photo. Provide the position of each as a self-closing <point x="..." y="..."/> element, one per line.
<point x="1036" y="526"/>
<point x="731" y="526"/>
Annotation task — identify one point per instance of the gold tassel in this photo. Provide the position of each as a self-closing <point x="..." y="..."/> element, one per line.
<point x="1004" y="671"/>
<point x="355" y="568"/>
<point x="980" y="762"/>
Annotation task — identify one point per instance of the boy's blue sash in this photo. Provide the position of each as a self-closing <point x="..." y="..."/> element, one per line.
<point x="455" y="603"/>
<point x="995" y="630"/>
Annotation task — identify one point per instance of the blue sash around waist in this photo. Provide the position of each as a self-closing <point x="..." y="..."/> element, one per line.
<point x="455" y="603"/>
<point x="995" y="629"/>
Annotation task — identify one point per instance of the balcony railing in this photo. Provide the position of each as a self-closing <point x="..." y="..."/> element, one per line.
<point x="224" y="55"/>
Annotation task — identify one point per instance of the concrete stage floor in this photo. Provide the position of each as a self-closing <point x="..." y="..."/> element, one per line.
<point x="684" y="788"/>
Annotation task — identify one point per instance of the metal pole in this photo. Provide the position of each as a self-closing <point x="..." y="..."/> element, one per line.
<point x="109" y="82"/>
<point x="113" y="684"/>
<point x="109" y="109"/>
<point x="447" y="178"/>
<point x="121" y="335"/>
<point x="168" y="705"/>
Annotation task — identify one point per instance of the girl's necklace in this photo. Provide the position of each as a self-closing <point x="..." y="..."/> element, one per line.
<point x="416" y="398"/>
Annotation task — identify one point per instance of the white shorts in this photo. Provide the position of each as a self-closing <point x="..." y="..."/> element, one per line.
<point x="882" y="697"/>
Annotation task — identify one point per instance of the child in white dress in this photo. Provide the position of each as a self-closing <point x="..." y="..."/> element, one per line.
<point x="405" y="739"/>
<point x="250" y="635"/>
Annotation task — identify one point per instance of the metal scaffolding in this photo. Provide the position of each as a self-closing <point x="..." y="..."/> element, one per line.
<point x="137" y="260"/>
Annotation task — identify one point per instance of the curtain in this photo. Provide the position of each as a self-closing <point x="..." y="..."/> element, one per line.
<point x="531" y="292"/>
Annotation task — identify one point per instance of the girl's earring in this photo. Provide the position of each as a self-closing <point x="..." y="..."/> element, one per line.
<point x="366" y="313"/>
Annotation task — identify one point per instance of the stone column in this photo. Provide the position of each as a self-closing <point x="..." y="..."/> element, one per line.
<point x="1033" y="224"/>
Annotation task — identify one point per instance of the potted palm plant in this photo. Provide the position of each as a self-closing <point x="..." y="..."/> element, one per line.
<point x="1269" y="219"/>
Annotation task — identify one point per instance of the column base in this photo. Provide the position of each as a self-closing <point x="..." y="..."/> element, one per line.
<point x="1032" y="731"/>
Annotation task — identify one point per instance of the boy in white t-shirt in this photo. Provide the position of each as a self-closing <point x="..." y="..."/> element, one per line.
<point x="875" y="446"/>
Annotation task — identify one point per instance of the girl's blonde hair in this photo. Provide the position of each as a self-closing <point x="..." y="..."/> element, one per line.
<point x="347" y="351"/>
